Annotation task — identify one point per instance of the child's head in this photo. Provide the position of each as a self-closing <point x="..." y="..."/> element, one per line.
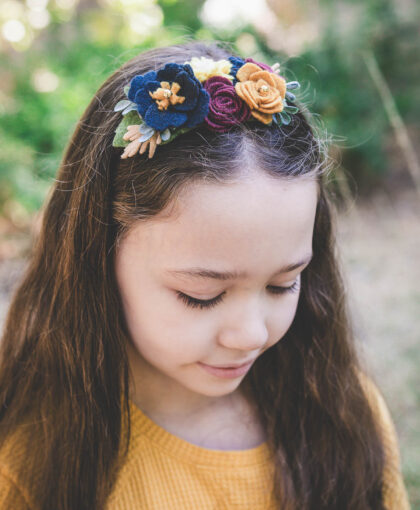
<point x="250" y="200"/>
<point x="244" y="201"/>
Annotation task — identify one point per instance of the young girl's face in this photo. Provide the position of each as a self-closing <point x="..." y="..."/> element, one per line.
<point x="253" y="227"/>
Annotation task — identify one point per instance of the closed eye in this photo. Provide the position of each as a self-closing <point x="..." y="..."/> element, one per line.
<point x="200" y="303"/>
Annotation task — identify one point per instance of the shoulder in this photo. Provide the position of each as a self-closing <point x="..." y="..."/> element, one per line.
<point x="12" y="497"/>
<point x="395" y="494"/>
<point x="377" y="402"/>
<point x="14" y="490"/>
<point x="383" y="416"/>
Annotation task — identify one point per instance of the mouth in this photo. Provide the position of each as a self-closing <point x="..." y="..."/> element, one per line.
<point x="227" y="372"/>
<point x="236" y="365"/>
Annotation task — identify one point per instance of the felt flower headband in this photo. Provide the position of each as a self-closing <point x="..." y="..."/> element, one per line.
<point x="219" y="94"/>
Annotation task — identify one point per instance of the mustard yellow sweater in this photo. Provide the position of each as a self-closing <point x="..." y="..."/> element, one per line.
<point x="164" y="472"/>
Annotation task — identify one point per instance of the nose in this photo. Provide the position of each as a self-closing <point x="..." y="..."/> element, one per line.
<point x="245" y="329"/>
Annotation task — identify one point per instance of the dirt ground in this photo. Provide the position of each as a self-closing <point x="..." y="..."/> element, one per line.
<point x="379" y="243"/>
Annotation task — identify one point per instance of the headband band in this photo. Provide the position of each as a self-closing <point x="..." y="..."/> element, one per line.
<point x="219" y="94"/>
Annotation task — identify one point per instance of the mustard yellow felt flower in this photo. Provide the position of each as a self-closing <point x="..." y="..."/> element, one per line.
<point x="204" y="68"/>
<point x="262" y="91"/>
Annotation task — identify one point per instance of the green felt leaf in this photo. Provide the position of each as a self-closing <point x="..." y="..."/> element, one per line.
<point x="145" y="136"/>
<point x="291" y="85"/>
<point x="147" y="130"/>
<point x="130" y="119"/>
<point x="285" y="118"/>
<point x="165" y="135"/>
<point x="122" y="105"/>
<point x="278" y="119"/>
<point x="174" y="133"/>
<point x="126" y="89"/>
<point x="129" y="108"/>
<point x="291" y="109"/>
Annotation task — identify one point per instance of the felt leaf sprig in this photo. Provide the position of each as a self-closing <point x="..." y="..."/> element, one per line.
<point x="134" y="134"/>
<point x="284" y="116"/>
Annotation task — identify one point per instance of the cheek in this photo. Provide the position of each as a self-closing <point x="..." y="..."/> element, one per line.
<point x="159" y="328"/>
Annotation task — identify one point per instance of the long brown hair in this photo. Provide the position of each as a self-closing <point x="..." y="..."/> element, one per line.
<point x="63" y="366"/>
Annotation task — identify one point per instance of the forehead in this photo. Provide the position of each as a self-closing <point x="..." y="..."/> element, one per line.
<point x="254" y="220"/>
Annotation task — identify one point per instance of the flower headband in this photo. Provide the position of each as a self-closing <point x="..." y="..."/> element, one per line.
<point x="220" y="94"/>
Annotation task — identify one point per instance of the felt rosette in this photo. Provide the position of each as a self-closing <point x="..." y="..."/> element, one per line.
<point x="226" y="108"/>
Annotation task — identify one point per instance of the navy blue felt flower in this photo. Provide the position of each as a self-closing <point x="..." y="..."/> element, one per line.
<point x="236" y="64"/>
<point x="171" y="97"/>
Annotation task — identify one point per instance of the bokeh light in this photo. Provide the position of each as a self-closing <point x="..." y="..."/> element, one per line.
<point x="44" y="80"/>
<point x="231" y="15"/>
<point x="37" y="5"/>
<point x="39" y="19"/>
<point x="13" y="30"/>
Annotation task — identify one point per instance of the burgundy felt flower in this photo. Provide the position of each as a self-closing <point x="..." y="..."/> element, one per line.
<point x="226" y="108"/>
<point x="260" y="64"/>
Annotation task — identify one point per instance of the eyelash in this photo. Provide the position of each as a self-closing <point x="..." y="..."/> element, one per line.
<point x="199" y="303"/>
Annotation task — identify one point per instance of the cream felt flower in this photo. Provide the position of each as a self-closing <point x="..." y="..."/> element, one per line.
<point x="204" y="68"/>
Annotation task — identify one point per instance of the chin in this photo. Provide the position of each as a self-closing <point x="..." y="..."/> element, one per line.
<point x="220" y="388"/>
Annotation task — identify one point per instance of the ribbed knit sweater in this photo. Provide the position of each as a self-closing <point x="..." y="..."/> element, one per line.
<point x="165" y="472"/>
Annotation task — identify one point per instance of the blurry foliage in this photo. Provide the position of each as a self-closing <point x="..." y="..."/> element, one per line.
<point x="36" y="126"/>
<point x="80" y="47"/>
<point x="347" y="98"/>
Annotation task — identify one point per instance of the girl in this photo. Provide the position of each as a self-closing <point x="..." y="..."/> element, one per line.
<point x="180" y="339"/>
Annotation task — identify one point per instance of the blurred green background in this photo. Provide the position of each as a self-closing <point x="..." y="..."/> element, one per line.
<point x="358" y="65"/>
<point x="55" y="54"/>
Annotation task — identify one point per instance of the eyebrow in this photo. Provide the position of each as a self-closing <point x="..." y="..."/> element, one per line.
<point x="199" y="272"/>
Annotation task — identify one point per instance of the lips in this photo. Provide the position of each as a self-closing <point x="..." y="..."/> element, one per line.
<point x="236" y="365"/>
<point x="226" y="372"/>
